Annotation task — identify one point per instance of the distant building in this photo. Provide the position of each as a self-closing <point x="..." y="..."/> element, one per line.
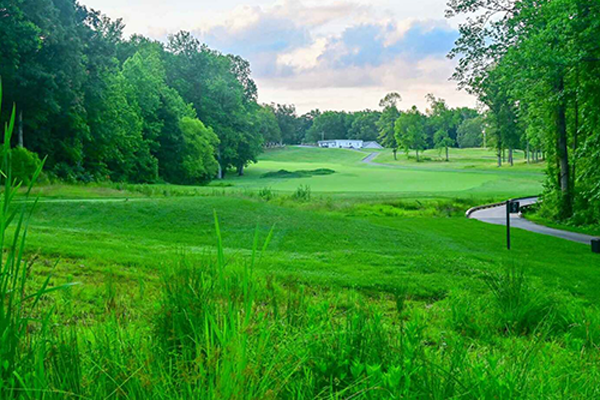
<point x="348" y="144"/>
<point x="341" y="144"/>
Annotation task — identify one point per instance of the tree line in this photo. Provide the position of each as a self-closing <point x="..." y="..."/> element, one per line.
<point x="440" y="126"/>
<point x="535" y="65"/>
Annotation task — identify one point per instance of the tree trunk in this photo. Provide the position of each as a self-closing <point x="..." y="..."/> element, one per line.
<point x="562" y="154"/>
<point x="575" y="138"/>
<point x="395" y="151"/>
<point x="20" y="128"/>
<point x="220" y="174"/>
<point x="240" y="170"/>
<point x="499" y="157"/>
<point x="447" y="156"/>
<point x="510" y="156"/>
<point x="527" y="152"/>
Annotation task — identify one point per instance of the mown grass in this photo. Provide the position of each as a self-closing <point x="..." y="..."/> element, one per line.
<point x="465" y="159"/>
<point x="459" y="178"/>
<point x="471" y="175"/>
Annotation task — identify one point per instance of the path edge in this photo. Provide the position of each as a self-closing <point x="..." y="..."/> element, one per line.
<point x="492" y="205"/>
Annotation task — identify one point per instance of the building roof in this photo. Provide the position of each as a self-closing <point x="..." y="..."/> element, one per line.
<point x="340" y="140"/>
<point x="372" y="145"/>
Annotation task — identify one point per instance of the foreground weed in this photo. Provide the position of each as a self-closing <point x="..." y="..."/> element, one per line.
<point x="522" y="309"/>
<point x="20" y="320"/>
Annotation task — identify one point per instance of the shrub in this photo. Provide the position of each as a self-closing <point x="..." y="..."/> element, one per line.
<point x="24" y="163"/>
<point x="302" y="194"/>
<point x="266" y="194"/>
<point x="72" y="174"/>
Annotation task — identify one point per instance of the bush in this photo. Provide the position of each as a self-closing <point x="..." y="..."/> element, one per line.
<point x="72" y="174"/>
<point x="24" y="163"/>
<point x="302" y="193"/>
<point x="266" y="194"/>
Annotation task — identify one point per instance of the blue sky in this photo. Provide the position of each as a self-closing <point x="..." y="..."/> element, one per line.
<point x="340" y="55"/>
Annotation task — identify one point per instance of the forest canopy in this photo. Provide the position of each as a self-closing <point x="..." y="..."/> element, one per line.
<point x="104" y="107"/>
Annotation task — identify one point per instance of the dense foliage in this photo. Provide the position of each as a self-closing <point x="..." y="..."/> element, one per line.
<point x="439" y="127"/>
<point x="535" y="64"/>
<point x="103" y="107"/>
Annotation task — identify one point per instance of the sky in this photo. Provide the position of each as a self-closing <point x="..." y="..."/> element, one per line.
<point x="330" y="55"/>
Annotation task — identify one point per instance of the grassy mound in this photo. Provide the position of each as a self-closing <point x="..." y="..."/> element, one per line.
<point x="285" y="174"/>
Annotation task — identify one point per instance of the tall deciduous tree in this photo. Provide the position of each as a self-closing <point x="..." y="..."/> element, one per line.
<point x="387" y="121"/>
<point x="410" y="131"/>
<point x="442" y="120"/>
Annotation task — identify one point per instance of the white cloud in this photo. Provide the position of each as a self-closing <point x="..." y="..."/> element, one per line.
<point x="330" y="54"/>
<point x="305" y="57"/>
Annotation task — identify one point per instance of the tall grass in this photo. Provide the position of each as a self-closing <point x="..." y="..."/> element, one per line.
<point x="19" y="314"/>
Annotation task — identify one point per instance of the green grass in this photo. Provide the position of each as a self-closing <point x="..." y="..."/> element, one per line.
<point x="409" y="179"/>
<point x="364" y="245"/>
<point x="342" y="289"/>
<point x="461" y="159"/>
<point x="593" y="230"/>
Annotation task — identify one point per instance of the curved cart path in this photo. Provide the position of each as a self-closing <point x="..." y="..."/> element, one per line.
<point x="497" y="215"/>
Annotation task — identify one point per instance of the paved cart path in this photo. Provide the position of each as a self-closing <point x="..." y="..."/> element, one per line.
<point x="497" y="215"/>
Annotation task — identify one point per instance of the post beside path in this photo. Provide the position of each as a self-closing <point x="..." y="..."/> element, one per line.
<point x="500" y="214"/>
<point x="512" y="207"/>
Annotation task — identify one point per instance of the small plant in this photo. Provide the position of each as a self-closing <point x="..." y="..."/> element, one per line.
<point x="266" y="194"/>
<point x="302" y="194"/>
<point x="521" y="308"/>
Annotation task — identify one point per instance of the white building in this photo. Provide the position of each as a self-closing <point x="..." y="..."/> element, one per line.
<point x="348" y="144"/>
<point x="341" y="144"/>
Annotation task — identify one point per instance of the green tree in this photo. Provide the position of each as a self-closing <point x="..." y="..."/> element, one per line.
<point x="470" y="133"/>
<point x="145" y="73"/>
<point x="364" y="126"/>
<point x="330" y="125"/>
<point x="267" y="125"/>
<point x="288" y="123"/>
<point x="387" y="122"/>
<point x="409" y="130"/>
<point x="198" y="164"/>
<point x="442" y="120"/>
<point x="218" y="88"/>
<point x="117" y="143"/>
